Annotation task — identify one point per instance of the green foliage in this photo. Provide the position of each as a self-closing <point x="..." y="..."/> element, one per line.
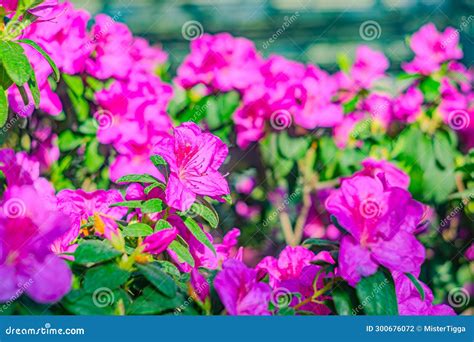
<point x="376" y="294"/>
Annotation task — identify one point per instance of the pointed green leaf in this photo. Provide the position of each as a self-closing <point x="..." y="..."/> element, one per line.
<point x="137" y="230"/>
<point x="94" y="252"/>
<point x="38" y="48"/>
<point x="198" y="233"/>
<point x="158" y="278"/>
<point x="15" y="62"/>
<point x="182" y="252"/>
<point x="376" y="294"/>
<point x="3" y="107"/>
<point x="137" y="179"/>
<point x="417" y="284"/>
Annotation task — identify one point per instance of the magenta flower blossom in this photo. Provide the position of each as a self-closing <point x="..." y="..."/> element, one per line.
<point x="410" y="302"/>
<point x="315" y="95"/>
<point x="379" y="107"/>
<point x="200" y="285"/>
<point x="245" y="184"/>
<point x="407" y="107"/>
<point x="21" y="169"/>
<point x="221" y="63"/>
<point x="159" y="241"/>
<point x="65" y="38"/>
<point x="432" y="48"/>
<point x="293" y="272"/>
<point x="193" y="158"/>
<point x="381" y="221"/>
<point x="369" y="66"/>
<point x="111" y="43"/>
<point x="9" y="5"/>
<point x="239" y="290"/>
<point x="79" y="206"/>
<point x="392" y="174"/>
<point x="29" y="223"/>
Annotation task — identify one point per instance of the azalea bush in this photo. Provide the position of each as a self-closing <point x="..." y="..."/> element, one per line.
<point x="236" y="184"/>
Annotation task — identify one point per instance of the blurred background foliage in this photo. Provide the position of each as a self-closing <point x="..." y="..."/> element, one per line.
<point x="316" y="31"/>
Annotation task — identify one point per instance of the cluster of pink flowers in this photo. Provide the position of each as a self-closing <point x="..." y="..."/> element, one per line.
<point x="277" y="93"/>
<point x="132" y="110"/>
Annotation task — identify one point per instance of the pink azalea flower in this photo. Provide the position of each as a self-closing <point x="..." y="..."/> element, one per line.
<point x="80" y="205"/>
<point x="317" y="109"/>
<point x="65" y="38"/>
<point x="20" y="169"/>
<point x="29" y="223"/>
<point x="381" y="221"/>
<point x="392" y="174"/>
<point x="9" y="5"/>
<point x="410" y="302"/>
<point x="45" y="147"/>
<point x="200" y="285"/>
<point x="193" y="158"/>
<point x="159" y="241"/>
<point x="111" y="43"/>
<point x="432" y="48"/>
<point x="46" y="10"/>
<point x="344" y="132"/>
<point x="379" y="107"/>
<point x="146" y="58"/>
<point x="247" y="211"/>
<point x="245" y="184"/>
<point x="369" y="66"/>
<point x="407" y="107"/>
<point x="220" y="62"/>
<point x="239" y="290"/>
<point x="293" y="272"/>
<point x="249" y="120"/>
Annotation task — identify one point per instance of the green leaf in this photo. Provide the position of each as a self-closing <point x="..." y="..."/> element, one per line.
<point x="137" y="230"/>
<point x="443" y="150"/>
<point x="292" y="147"/>
<point x="152" y="302"/>
<point x="95" y="252"/>
<point x="320" y="242"/>
<point x="127" y="204"/>
<point x="376" y="294"/>
<point x="38" y="48"/>
<point x="108" y="276"/>
<point x="15" y="62"/>
<point x="67" y="141"/>
<point x="150" y="187"/>
<point x="24" y="95"/>
<point x="3" y="107"/>
<point x="417" y="284"/>
<point x="430" y="89"/>
<point x="158" y="160"/>
<point x="162" y="224"/>
<point x="34" y="89"/>
<point x="163" y="282"/>
<point x="154" y="205"/>
<point x="182" y="252"/>
<point x="206" y="212"/>
<point x="75" y="84"/>
<point x="93" y="158"/>
<point x="198" y="233"/>
<point x="137" y="179"/>
<point x="344" y="300"/>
